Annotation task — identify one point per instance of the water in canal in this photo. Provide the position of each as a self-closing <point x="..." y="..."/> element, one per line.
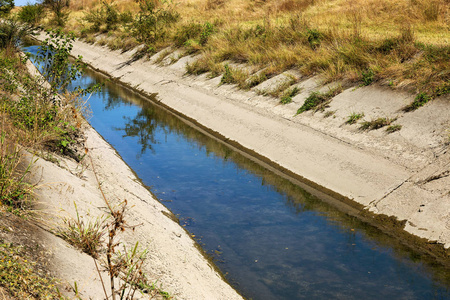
<point x="270" y="238"/>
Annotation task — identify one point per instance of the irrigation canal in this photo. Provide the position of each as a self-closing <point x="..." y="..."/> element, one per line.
<point x="270" y="238"/>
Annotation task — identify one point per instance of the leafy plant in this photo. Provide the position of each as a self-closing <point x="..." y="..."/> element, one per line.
<point x="314" y="38"/>
<point x="208" y="29"/>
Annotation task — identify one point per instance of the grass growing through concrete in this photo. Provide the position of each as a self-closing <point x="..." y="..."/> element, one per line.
<point x="379" y="123"/>
<point x="318" y="101"/>
<point x="353" y="118"/>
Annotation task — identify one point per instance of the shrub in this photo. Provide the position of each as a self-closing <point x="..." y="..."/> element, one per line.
<point x="149" y="26"/>
<point x="5" y="7"/>
<point x="31" y="14"/>
<point x="59" y="8"/>
<point x="11" y="33"/>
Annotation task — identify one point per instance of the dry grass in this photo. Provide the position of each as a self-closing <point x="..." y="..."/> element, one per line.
<point x="403" y="42"/>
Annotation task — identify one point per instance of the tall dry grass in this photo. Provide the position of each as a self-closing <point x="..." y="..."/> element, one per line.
<point x="404" y="42"/>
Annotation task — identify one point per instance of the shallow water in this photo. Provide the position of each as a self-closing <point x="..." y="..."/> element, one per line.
<point x="270" y="238"/>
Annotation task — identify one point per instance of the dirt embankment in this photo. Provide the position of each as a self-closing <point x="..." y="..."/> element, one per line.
<point x="404" y="174"/>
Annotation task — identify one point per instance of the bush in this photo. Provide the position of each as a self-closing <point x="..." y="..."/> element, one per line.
<point x="31" y="14"/>
<point x="108" y="15"/>
<point x="187" y="32"/>
<point x="11" y="33"/>
<point x="208" y="29"/>
<point x="149" y="26"/>
<point x="5" y="7"/>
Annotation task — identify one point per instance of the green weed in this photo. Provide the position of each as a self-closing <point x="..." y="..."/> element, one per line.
<point x="227" y="77"/>
<point x="84" y="235"/>
<point x="420" y="100"/>
<point x="354" y="117"/>
<point x="367" y="77"/>
<point x="393" y="128"/>
<point x="289" y="94"/>
<point x="317" y="100"/>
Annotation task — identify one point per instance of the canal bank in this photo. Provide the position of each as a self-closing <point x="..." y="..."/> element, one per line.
<point x="403" y="175"/>
<point x="65" y="190"/>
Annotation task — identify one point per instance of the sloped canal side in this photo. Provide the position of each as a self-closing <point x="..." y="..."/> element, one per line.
<point x="271" y="239"/>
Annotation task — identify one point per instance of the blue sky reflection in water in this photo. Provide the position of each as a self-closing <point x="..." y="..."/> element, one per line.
<point x="274" y="240"/>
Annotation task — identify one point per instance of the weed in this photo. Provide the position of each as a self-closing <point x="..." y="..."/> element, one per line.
<point x="354" y="117"/>
<point x="419" y="101"/>
<point x="393" y="128"/>
<point x="314" y="38"/>
<point x="208" y="29"/>
<point x="317" y="100"/>
<point x="86" y="236"/>
<point x="376" y="123"/>
<point x="227" y="77"/>
<point x="151" y="22"/>
<point x="21" y="277"/>
<point x="367" y="77"/>
<point x="329" y="113"/>
<point x="443" y="89"/>
<point x="31" y="14"/>
<point x="254" y="80"/>
<point x="289" y="94"/>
